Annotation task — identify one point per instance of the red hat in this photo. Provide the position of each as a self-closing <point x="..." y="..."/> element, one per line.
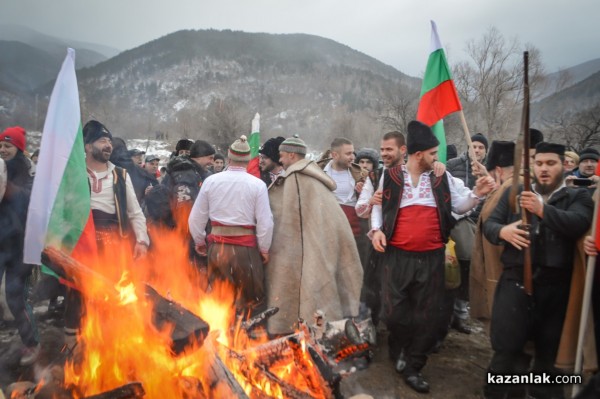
<point x="14" y="135"/>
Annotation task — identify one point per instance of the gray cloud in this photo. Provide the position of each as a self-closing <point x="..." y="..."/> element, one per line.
<point x="395" y="32"/>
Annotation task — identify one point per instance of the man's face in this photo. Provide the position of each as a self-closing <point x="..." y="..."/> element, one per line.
<point x="428" y="158"/>
<point x="548" y="172"/>
<point x="100" y="149"/>
<point x="391" y="153"/>
<point x="183" y="152"/>
<point x="266" y="164"/>
<point x="587" y="167"/>
<point x="152" y="166"/>
<point x="287" y="159"/>
<point x="366" y="163"/>
<point x="218" y="165"/>
<point x="7" y="150"/>
<point x="479" y="150"/>
<point x="205" y="161"/>
<point x="137" y="159"/>
<point x="343" y="156"/>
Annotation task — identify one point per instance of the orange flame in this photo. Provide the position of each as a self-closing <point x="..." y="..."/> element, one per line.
<point x="120" y="344"/>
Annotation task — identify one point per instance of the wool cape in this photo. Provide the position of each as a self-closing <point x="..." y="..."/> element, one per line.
<point x="314" y="263"/>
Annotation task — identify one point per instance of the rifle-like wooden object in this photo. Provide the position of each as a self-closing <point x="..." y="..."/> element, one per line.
<point x="522" y="155"/>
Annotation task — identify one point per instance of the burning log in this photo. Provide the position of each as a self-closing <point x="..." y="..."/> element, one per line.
<point x="133" y="390"/>
<point x="187" y="327"/>
<point x="219" y="379"/>
<point x="259" y="318"/>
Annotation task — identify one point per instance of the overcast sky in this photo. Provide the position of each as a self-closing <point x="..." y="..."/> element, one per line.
<point x="395" y="32"/>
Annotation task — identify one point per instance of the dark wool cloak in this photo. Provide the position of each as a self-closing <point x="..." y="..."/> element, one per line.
<point x="314" y="261"/>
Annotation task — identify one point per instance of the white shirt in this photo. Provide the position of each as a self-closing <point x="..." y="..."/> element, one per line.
<point x="462" y="197"/>
<point x="234" y="198"/>
<point x="363" y="208"/>
<point x="344" y="182"/>
<point x="103" y="199"/>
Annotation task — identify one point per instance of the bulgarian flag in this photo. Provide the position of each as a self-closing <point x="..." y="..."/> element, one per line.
<point x="438" y="93"/>
<point x="254" y="143"/>
<point x="59" y="210"/>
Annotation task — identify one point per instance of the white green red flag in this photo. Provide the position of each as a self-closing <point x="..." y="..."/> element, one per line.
<point x="59" y="210"/>
<point x="254" y="143"/>
<point x="439" y="97"/>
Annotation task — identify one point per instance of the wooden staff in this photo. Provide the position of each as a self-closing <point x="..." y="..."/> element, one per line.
<point x="469" y="141"/>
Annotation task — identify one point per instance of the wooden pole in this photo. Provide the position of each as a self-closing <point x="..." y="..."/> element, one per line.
<point x="587" y="299"/>
<point x="469" y="141"/>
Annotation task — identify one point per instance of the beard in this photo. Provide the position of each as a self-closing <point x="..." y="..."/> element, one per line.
<point x="101" y="155"/>
<point x="545" y="189"/>
<point x="267" y="167"/>
<point x="425" y="166"/>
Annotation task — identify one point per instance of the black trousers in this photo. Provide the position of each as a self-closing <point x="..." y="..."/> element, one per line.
<point x="371" y="292"/>
<point x="17" y="288"/>
<point x="518" y="317"/>
<point x="413" y="291"/>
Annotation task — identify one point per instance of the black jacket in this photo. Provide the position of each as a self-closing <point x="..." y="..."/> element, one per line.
<point x="13" y="208"/>
<point x="184" y="179"/>
<point x="567" y="217"/>
<point x="460" y="167"/>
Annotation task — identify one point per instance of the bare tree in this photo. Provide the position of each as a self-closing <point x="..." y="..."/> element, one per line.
<point x="577" y="131"/>
<point x="226" y="120"/>
<point x="490" y="83"/>
<point x="397" y="110"/>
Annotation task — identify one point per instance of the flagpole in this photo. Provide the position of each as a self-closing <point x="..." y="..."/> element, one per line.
<point x="587" y="298"/>
<point x="469" y="141"/>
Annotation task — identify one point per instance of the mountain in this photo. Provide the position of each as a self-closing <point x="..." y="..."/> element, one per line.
<point x="297" y="82"/>
<point x="563" y="78"/>
<point x="578" y="97"/>
<point x="88" y="54"/>
<point x="23" y="68"/>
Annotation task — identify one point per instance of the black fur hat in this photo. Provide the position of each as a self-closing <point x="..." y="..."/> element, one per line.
<point x="502" y="154"/>
<point x="94" y="130"/>
<point x="183" y="144"/>
<point x="420" y="137"/>
<point x="542" y="148"/>
<point x="201" y="148"/>
<point x="270" y="148"/>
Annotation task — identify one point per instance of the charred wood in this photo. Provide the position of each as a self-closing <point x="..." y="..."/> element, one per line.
<point x="133" y="390"/>
<point x="187" y="327"/>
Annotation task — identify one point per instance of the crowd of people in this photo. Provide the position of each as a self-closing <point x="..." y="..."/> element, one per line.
<point x="358" y="233"/>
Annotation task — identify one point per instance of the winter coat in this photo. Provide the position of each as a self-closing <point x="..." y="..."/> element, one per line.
<point x="172" y="200"/>
<point x="13" y="207"/>
<point x="567" y="216"/>
<point x="140" y="177"/>
<point x="314" y="263"/>
<point x="461" y="168"/>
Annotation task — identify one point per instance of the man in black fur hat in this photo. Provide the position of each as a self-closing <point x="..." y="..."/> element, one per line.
<point x="485" y="259"/>
<point x="269" y="164"/>
<point x="411" y="227"/>
<point x="560" y="216"/>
